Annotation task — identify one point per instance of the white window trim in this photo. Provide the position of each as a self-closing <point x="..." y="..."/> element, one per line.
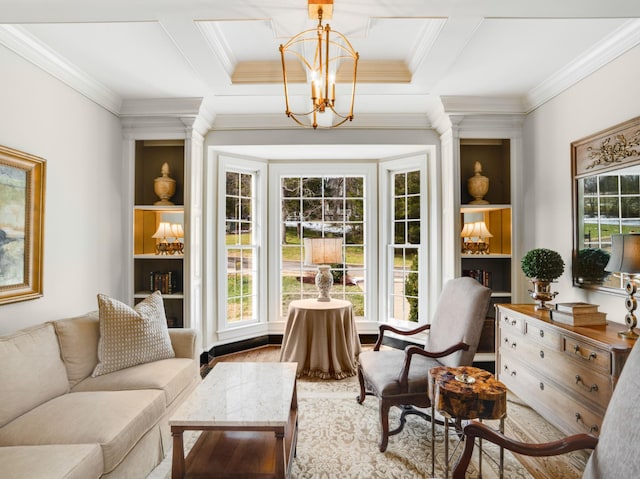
<point x="429" y="250"/>
<point x="226" y="163"/>
<point x="368" y="171"/>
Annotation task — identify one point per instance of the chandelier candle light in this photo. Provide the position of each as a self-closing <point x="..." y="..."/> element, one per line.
<point x="323" y="252"/>
<point x="325" y="56"/>
<point x="625" y="258"/>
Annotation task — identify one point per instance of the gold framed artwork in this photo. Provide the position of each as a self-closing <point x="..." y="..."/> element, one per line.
<point x="22" y="190"/>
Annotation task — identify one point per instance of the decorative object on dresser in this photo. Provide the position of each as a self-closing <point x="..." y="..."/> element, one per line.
<point x="542" y="266"/>
<point x="589" y="266"/>
<point x="164" y="186"/>
<point x="578" y="314"/>
<point x="323" y="252"/>
<point x="625" y="258"/>
<point x="566" y="373"/>
<point x="478" y="185"/>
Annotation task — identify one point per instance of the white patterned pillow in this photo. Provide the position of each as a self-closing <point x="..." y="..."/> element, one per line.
<point x="131" y="336"/>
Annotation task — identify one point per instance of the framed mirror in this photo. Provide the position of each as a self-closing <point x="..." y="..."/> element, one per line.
<point x="606" y="200"/>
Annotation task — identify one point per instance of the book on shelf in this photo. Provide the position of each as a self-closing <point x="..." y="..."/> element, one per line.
<point x="161" y="281"/>
<point x="578" y="318"/>
<point x="577" y="308"/>
<point x="480" y="275"/>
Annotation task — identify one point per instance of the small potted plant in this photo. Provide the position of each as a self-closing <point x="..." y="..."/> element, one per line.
<point x="589" y="265"/>
<point x="542" y="266"/>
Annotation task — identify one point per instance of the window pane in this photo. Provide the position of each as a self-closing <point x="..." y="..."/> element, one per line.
<point x="630" y="185"/>
<point x="232" y="208"/>
<point x="414" y="232"/>
<point x="399" y="183"/>
<point x="246" y="182"/>
<point x="400" y="208"/>
<point x="233" y="184"/>
<point x="609" y="207"/>
<point x="311" y="187"/>
<point x="354" y="187"/>
<point x="608" y="185"/>
<point x="413" y="207"/>
<point x="413" y="183"/>
<point x="399" y="236"/>
<point x="290" y="187"/>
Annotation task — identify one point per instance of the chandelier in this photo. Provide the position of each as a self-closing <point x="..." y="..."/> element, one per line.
<point x="324" y="56"/>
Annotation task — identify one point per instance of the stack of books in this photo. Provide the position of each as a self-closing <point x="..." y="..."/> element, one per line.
<point x="578" y="314"/>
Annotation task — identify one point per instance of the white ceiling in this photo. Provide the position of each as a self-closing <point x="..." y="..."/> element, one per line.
<point x="510" y="55"/>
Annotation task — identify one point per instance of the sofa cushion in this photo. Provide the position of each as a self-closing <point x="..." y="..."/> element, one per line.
<point x="114" y="419"/>
<point x="74" y="461"/>
<point x="131" y="336"/>
<point x="32" y="371"/>
<point x="170" y="375"/>
<point x="78" y="338"/>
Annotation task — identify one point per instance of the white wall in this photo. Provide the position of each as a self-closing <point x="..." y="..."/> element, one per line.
<point x="82" y="144"/>
<point x="604" y="99"/>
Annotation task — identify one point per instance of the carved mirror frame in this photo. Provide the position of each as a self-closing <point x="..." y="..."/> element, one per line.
<point x="606" y="193"/>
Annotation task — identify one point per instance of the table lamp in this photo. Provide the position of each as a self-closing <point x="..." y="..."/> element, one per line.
<point x="625" y="259"/>
<point x="177" y="232"/>
<point x="162" y="233"/>
<point x="323" y="252"/>
<point x="473" y="234"/>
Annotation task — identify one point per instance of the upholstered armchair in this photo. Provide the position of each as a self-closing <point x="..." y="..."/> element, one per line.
<point x="400" y="377"/>
<point x="615" y="451"/>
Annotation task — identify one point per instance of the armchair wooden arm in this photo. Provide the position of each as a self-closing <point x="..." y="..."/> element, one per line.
<point x="402" y="332"/>
<point x="475" y="429"/>
<point x="410" y="351"/>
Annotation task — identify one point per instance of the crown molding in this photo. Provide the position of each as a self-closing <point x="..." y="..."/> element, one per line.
<point x="620" y="41"/>
<point x="482" y="105"/>
<point x="388" y="121"/>
<point x="20" y="41"/>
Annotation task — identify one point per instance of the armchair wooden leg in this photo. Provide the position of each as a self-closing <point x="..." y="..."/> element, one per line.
<point x="363" y="391"/>
<point x="384" y="425"/>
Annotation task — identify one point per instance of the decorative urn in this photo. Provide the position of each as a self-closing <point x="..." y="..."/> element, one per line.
<point x="164" y="186"/>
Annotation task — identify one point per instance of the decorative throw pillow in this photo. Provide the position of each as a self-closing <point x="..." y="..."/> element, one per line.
<point x="131" y="336"/>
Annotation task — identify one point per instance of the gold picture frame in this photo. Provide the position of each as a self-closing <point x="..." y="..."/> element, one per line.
<point x="22" y="194"/>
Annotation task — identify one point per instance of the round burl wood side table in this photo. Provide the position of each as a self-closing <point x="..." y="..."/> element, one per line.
<point x="465" y="393"/>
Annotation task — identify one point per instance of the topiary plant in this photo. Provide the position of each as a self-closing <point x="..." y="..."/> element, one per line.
<point x="589" y="265"/>
<point x="542" y="264"/>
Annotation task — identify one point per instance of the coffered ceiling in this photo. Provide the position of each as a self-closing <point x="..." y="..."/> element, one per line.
<point x="416" y="55"/>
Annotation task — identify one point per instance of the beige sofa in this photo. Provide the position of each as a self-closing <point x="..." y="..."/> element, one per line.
<point x="57" y="421"/>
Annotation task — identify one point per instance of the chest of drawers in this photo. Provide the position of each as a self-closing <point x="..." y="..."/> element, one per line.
<point x="567" y="374"/>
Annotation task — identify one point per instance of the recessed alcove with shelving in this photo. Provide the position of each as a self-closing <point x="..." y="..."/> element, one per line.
<point x="154" y="269"/>
<point x="493" y="265"/>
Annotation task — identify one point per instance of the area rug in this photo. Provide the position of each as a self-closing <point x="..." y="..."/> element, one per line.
<point x="338" y="438"/>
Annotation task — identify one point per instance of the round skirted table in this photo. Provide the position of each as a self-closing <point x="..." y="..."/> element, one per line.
<point x="465" y="393"/>
<point x="321" y="337"/>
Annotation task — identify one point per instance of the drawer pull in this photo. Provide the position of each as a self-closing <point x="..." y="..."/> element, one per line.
<point x="592" y="354"/>
<point x="513" y="322"/>
<point x="592" y="388"/>
<point x="541" y="333"/>
<point x="514" y="345"/>
<point x="591" y="429"/>
<point x="541" y="386"/>
<point x="542" y="354"/>
<point x="506" y="370"/>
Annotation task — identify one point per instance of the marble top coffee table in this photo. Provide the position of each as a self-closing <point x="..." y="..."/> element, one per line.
<point x="248" y="413"/>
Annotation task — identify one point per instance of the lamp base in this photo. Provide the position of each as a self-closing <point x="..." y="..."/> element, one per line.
<point x="324" y="281"/>
<point x="628" y="334"/>
<point x="631" y="304"/>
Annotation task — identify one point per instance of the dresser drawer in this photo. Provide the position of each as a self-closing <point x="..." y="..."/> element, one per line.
<point x="564" y="411"/>
<point x="545" y="336"/>
<point x="583" y="383"/>
<point x="587" y="355"/>
<point x="511" y="321"/>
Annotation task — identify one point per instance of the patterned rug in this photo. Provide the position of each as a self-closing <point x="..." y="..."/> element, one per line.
<point x="338" y="438"/>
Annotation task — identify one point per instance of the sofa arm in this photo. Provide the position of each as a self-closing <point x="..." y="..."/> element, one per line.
<point x="184" y="342"/>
